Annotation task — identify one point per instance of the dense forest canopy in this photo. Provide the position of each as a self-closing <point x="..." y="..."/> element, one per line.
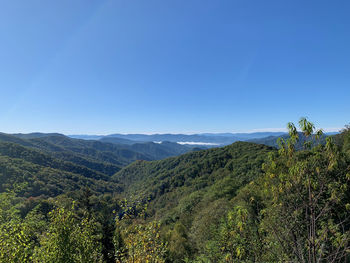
<point x="70" y="200"/>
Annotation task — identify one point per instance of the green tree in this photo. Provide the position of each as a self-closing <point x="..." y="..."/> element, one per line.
<point x="239" y="237"/>
<point x="135" y="240"/>
<point x="144" y="244"/>
<point x="68" y="240"/>
<point x="306" y="198"/>
<point x="16" y="243"/>
<point x="298" y="211"/>
<point x="178" y="243"/>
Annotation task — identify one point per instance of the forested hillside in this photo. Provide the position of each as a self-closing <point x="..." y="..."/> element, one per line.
<point x="117" y="151"/>
<point x="245" y="202"/>
<point x="193" y="190"/>
<point x="216" y="172"/>
<point x="40" y="174"/>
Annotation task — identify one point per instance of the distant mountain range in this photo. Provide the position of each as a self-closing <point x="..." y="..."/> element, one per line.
<point x="126" y="148"/>
<point x="204" y="139"/>
<point x="201" y="140"/>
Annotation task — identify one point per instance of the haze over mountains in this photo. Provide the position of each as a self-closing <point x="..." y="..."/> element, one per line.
<point x="205" y="139"/>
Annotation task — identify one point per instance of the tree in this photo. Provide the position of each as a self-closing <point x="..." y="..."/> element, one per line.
<point x="298" y="211"/>
<point x="68" y="240"/>
<point x="306" y="198"/>
<point x="239" y="237"/>
<point x="137" y="241"/>
<point x="179" y="245"/>
<point x="16" y="243"/>
<point x="144" y="244"/>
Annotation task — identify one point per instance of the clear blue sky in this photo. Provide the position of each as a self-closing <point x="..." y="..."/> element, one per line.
<point x="99" y="67"/>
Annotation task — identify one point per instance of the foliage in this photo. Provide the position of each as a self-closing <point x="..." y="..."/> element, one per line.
<point x="298" y="211"/>
<point x="239" y="236"/>
<point x="138" y="241"/>
<point x="68" y="240"/>
<point x="45" y="175"/>
<point x="16" y="244"/>
<point x="178" y="243"/>
<point x="142" y="243"/>
<point x="306" y="217"/>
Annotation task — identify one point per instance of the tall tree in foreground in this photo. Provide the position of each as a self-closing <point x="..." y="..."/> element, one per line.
<point x="306" y="195"/>
<point x="299" y="211"/>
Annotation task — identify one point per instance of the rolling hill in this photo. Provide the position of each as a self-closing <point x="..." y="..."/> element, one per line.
<point x="195" y="188"/>
<point x="40" y="174"/>
<point x="119" y="152"/>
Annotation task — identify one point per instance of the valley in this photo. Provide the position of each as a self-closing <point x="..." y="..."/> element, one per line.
<point x="120" y="185"/>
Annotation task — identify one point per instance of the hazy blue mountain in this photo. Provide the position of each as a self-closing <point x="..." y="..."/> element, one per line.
<point x="332" y="133"/>
<point x="226" y="134"/>
<point x="86" y="137"/>
<point x="209" y="139"/>
<point x="195" y="138"/>
<point x="253" y="135"/>
<point x="117" y="140"/>
<point x="257" y="135"/>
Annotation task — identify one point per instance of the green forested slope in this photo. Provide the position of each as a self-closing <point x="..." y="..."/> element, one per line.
<point x="194" y="189"/>
<point x="241" y="161"/>
<point x="297" y="211"/>
<point x="91" y="150"/>
<point x="119" y="154"/>
<point x="56" y="151"/>
<point x="160" y="151"/>
<point x="44" y="175"/>
<point x="30" y="155"/>
<point x="102" y="152"/>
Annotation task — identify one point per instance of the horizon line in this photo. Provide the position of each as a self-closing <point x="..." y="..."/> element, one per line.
<point x="272" y="130"/>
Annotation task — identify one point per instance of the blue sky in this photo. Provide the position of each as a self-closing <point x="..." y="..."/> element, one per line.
<point x="99" y="67"/>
